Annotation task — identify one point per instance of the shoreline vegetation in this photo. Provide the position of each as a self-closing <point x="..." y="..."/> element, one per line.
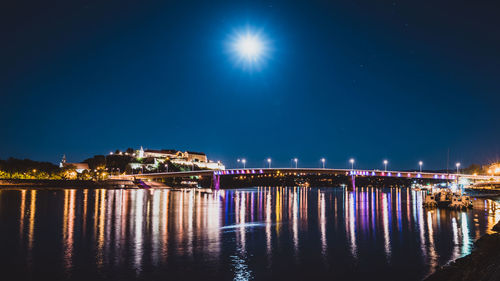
<point x="483" y="263"/>
<point x="97" y="169"/>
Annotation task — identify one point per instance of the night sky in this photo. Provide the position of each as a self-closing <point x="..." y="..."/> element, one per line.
<point x="369" y="79"/>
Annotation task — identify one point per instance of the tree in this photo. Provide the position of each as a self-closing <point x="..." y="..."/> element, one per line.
<point x="473" y="169"/>
<point x="96" y="161"/>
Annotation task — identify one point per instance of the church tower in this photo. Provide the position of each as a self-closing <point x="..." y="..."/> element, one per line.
<point x="63" y="161"/>
<point x="141" y="152"/>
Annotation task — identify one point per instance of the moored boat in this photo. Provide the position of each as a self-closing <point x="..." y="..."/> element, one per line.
<point x="446" y="198"/>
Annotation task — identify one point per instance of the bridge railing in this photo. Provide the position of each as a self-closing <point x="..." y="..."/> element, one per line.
<point x="352" y="172"/>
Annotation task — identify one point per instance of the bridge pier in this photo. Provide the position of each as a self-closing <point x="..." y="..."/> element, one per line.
<point x="215" y="182"/>
<point x="351" y="185"/>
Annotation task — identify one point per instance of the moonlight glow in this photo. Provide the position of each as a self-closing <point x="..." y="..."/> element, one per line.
<point x="249" y="49"/>
<point x="249" y="46"/>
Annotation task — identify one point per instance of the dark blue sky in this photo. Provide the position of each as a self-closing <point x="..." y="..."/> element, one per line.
<point x="363" y="79"/>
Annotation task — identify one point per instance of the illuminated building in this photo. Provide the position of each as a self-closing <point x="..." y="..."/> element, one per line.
<point x="493" y="169"/>
<point x="152" y="159"/>
<point x="79" y="167"/>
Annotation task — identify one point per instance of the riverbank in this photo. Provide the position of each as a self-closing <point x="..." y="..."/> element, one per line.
<point x="483" y="192"/>
<point x="482" y="264"/>
<point x="36" y="183"/>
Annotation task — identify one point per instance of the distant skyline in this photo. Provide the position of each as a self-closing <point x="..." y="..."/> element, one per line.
<point x="369" y="80"/>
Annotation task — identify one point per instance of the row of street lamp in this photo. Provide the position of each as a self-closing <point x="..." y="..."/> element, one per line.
<point x="323" y="161"/>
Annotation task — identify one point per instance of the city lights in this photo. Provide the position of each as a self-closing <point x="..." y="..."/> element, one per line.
<point x="127" y="127"/>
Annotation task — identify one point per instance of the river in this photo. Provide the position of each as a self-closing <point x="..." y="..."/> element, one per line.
<point x="265" y="233"/>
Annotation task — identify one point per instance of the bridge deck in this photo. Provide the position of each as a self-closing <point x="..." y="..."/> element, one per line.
<point x="304" y="171"/>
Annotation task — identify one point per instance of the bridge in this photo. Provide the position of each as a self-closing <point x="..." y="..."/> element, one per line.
<point x="216" y="175"/>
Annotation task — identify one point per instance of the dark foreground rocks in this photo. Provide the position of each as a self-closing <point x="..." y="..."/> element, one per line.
<point x="496" y="227"/>
<point x="482" y="264"/>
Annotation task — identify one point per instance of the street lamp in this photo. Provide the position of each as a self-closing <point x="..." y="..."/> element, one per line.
<point x="238" y="165"/>
<point x="269" y="161"/>
<point x="323" y="162"/>
<point x="458" y="166"/>
<point x="352" y="163"/>
<point x="385" y="165"/>
<point x="296" y="162"/>
<point x="244" y="161"/>
<point x="166" y="166"/>
<point x="420" y="163"/>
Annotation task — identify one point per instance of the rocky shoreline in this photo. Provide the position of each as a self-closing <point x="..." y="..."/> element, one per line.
<point x="482" y="264"/>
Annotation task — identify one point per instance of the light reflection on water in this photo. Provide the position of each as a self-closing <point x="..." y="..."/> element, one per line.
<point x="259" y="233"/>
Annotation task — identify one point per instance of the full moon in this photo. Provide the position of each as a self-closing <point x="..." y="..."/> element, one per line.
<point x="249" y="46"/>
<point x="250" y="49"/>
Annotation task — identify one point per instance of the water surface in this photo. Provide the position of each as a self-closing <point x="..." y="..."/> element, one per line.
<point x="260" y="233"/>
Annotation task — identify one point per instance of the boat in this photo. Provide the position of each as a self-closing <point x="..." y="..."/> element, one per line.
<point x="460" y="202"/>
<point x="446" y="198"/>
<point x="430" y="201"/>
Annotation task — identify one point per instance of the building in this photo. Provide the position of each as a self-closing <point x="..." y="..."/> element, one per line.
<point x="163" y="153"/>
<point x="195" y="156"/>
<point x="493" y="169"/>
<point x="151" y="159"/>
<point x="79" y="167"/>
<point x="209" y="165"/>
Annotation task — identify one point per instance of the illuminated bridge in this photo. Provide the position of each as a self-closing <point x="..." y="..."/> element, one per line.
<point x="266" y="174"/>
